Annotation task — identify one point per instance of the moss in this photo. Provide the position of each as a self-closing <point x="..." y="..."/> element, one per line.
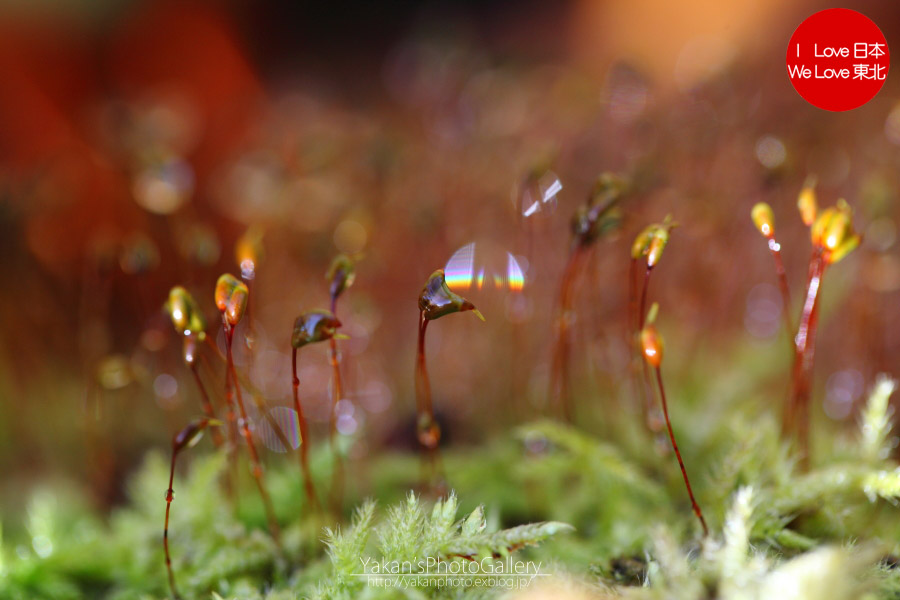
<point x="601" y="516"/>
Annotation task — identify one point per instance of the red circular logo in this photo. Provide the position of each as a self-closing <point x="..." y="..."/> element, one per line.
<point x="838" y="59"/>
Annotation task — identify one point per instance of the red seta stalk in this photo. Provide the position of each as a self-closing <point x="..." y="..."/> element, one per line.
<point x="337" y="477"/>
<point x="435" y="301"/>
<point x="255" y="394"/>
<point x="185" y="438"/>
<point x="231" y="420"/>
<point x="651" y="414"/>
<point x="304" y="436"/>
<point x="775" y="249"/>
<point x="797" y="416"/>
<point x="687" y="482"/>
<point x="256" y="466"/>
<point x="423" y="385"/>
<point x="559" y="392"/>
<point x="642" y="312"/>
<point x="170" y="495"/>
<point x="427" y="430"/>
<point x="207" y="405"/>
<point x="633" y="333"/>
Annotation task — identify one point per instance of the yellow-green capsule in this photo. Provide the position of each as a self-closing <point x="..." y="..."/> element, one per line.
<point x="314" y="326"/>
<point x="437" y="300"/>
<point x="833" y="232"/>
<point x="651" y="314"/>
<point x="184" y="312"/>
<point x="831" y="223"/>
<point x="231" y="298"/>
<point x="836" y="231"/>
<point x="763" y="218"/>
<point x="657" y="246"/>
<point x="846" y="247"/>
<point x="839" y="237"/>
<point x="340" y="275"/>
<point x="641" y="244"/>
<point x="806" y="203"/>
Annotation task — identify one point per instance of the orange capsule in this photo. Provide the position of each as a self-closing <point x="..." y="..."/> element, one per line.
<point x="652" y="345"/>
<point x="231" y="298"/>
<point x="238" y="305"/>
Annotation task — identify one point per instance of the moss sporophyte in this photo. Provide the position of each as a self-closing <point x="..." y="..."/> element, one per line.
<point x="188" y="321"/>
<point x="595" y="218"/>
<point x="652" y="347"/>
<point x="231" y="298"/>
<point x="310" y="327"/>
<point x="435" y="301"/>
<point x="833" y="237"/>
<point x="649" y="245"/>
<point x="340" y="276"/>
<point x="186" y="438"/>
<point x="764" y="219"/>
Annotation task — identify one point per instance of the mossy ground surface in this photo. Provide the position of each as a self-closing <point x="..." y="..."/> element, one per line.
<point x="609" y="511"/>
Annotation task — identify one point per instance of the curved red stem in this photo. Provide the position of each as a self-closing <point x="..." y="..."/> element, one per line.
<point x="337" y="387"/>
<point x="208" y="409"/>
<point x="797" y="413"/>
<point x="559" y="375"/>
<point x="775" y="249"/>
<point x="304" y="436"/>
<point x="425" y="414"/>
<point x="256" y="466"/>
<point x="170" y="495"/>
<point x="687" y="482"/>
